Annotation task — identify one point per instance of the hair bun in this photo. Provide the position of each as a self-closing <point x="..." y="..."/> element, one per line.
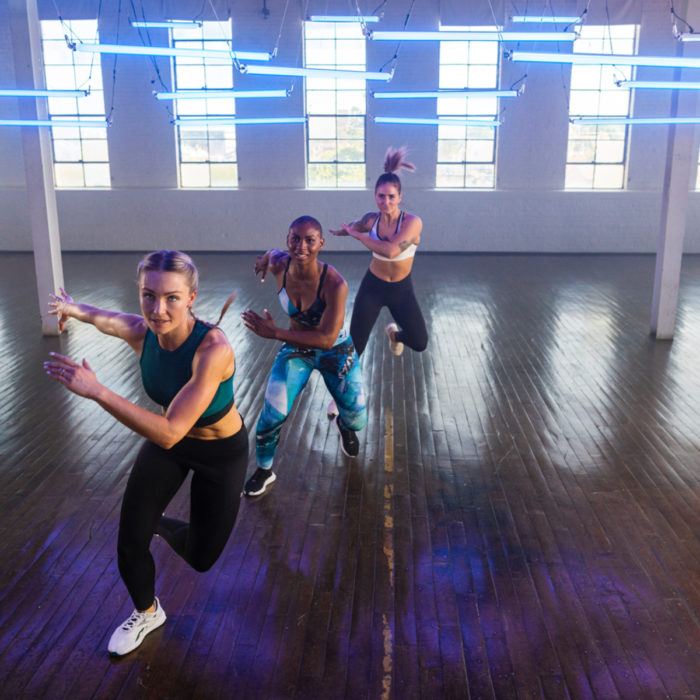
<point x="394" y="160"/>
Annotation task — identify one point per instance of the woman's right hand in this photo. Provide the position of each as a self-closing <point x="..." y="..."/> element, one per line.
<point x="262" y="264"/>
<point x="60" y="306"/>
<point x="344" y="231"/>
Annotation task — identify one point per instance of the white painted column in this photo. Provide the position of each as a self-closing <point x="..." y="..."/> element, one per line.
<point x="38" y="160"/>
<point x="674" y="206"/>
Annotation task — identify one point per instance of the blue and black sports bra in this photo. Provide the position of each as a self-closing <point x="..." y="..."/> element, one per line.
<point x="312" y="316"/>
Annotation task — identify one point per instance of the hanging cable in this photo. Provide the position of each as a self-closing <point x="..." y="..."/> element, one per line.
<point x="114" y="65"/>
<point x="679" y="18"/>
<point x="394" y="59"/>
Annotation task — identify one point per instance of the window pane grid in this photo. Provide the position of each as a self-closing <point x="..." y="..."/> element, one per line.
<point x="335" y="109"/>
<point x="597" y="153"/>
<point x="207" y="154"/>
<point x="466" y="156"/>
<point x="80" y="155"/>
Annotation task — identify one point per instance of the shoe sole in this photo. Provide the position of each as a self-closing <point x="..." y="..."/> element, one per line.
<point x="266" y="486"/>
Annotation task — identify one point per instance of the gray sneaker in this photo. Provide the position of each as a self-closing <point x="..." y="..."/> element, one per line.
<point x="133" y="631"/>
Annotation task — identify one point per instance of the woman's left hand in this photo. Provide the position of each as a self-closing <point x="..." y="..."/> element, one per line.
<point x="78" y="378"/>
<point x="264" y="326"/>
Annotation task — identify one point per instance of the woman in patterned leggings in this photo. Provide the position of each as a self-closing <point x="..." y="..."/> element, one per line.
<point x="313" y="294"/>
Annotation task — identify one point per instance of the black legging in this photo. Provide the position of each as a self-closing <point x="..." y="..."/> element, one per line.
<point x="401" y="301"/>
<point x="219" y="468"/>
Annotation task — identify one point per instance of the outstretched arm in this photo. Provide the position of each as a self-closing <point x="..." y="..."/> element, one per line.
<point x="408" y="234"/>
<point x="209" y="368"/>
<point x="128" y="327"/>
<point x="363" y="225"/>
<point x="272" y="261"/>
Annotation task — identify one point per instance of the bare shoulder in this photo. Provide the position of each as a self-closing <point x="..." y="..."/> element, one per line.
<point x="367" y="220"/>
<point x="215" y="345"/>
<point x="334" y="280"/>
<point x="136" y="327"/>
<point x="412" y="219"/>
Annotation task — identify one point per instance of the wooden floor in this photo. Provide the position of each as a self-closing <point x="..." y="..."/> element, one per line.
<point x="523" y="519"/>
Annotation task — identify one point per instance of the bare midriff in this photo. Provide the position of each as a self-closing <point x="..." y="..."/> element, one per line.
<point x="229" y="425"/>
<point x="391" y="271"/>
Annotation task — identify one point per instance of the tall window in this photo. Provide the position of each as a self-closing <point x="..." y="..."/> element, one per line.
<point x="596" y="154"/>
<point x="80" y="154"/>
<point x="207" y="154"/>
<point x="466" y="155"/>
<point x="335" y="108"/>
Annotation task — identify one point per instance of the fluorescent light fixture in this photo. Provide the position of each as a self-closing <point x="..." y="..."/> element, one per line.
<point x="596" y="59"/>
<point x="444" y="93"/>
<point x="225" y="121"/>
<point x="472" y="36"/>
<point x="218" y="94"/>
<point x="170" y="51"/>
<point x="43" y="93"/>
<point x="688" y="36"/>
<point x="444" y="121"/>
<point x="316" y="73"/>
<point x="659" y="84"/>
<point x="541" y="19"/>
<point x="635" y="120"/>
<point x="344" y="18"/>
<point x="55" y="122"/>
<point x="165" y="24"/>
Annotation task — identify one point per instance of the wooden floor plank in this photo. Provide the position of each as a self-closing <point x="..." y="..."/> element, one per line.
<point x="523" y="519"/>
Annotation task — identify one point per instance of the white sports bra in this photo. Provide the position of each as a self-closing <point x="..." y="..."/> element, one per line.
<point x="403" y="255"/>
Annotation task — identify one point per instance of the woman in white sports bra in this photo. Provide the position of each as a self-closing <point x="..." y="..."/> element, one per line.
<point x="392" y="236"/>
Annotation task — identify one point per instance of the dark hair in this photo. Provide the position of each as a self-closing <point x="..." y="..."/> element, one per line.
<point x="176" y="261"/>
<point x="309" y="221"/>
<point x="394" y="160"/>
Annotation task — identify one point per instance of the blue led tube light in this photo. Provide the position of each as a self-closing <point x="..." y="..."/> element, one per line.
<point x="635" y="120"/>
<point x="218" y="94"/>
<point x="225" y="121"/>
<point x="344" y="18"/>
<point x="169" y="51"/>
<point x="659" y="84"/>
<point x="595" y="59"/>
<point x="444" y="93"/>
<point x="55" y="123"/>
<point x="43" y="93"/>
<point x="541" y="19"/>
<point x="165" y="24"/>
<point x="316" y="73"/>
<point x="446" y="121"/>
<point x="472" y="36"/>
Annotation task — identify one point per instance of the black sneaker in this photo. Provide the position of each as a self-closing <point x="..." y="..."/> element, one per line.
<point x="261" y="480"/>
<point x="349" y="443"/>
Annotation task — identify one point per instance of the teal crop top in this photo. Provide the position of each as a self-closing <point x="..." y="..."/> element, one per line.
<point x="165" y="372"/>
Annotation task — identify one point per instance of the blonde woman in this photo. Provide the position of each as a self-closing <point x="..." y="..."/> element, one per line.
<point x="187" y="367"/>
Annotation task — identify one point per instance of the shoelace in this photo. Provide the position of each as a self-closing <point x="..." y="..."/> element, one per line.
<point x="135" y="618"/>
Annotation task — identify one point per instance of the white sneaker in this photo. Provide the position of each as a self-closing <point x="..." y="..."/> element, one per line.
<point x="132" y="632"/>
<point x="394" y="345"/>
<point x="332" y="410"/>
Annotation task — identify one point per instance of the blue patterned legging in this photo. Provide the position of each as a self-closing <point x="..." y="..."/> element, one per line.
<point x="340" y="369"/>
